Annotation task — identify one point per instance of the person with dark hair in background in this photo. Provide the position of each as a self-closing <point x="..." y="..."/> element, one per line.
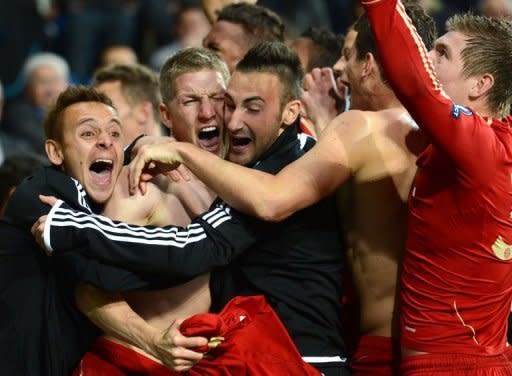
<point x="239" y="27"/>
<point x="317" y="48"/>
<point x="318" y="51"/>
<point x="190" y="28"/>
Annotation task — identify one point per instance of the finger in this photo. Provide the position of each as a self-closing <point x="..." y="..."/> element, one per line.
<point x="182" y="368"/>
<point x="134" y="172"/>
<point x="35" y="226"/>
<point x="50" y="200"/>
<point x="181" y="354"/>
<point x="174" y="175"/>
<point x="184" y="172"/>
<point x="330" y="76"/>
<point x="316" y="74"/>
<point x="307" y="82"/>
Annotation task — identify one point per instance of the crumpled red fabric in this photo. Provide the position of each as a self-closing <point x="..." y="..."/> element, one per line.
<point x="255" y="341"/>
<point x="255" y="344"/>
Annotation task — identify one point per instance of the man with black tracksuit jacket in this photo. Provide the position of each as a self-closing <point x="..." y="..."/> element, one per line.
<point x="296" y="264"/>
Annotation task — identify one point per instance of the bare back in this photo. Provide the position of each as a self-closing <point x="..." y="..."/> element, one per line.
<point x="376" y="231"/>
<point x="164" y="203"/>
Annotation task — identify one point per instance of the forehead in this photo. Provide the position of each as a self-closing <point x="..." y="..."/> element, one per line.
<point x="45" y="70"/>
<point x="226" y="32"/>
<point x="206" y="80"/>
<point x="95" y="111"/>
<point x="255" y="84"/>
<point x="453" y="39"/>
<point x="350" y="38"/>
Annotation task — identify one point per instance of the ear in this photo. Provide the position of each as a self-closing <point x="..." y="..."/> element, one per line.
<point x="290" y="112"/>
<point x="165" y="116"/>
<point x="370" y="65"/>
<point x="54" y="152"/>
<point x="481" y="85"/>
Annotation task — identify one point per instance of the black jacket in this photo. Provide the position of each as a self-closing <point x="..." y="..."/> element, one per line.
<point x="41" y="331"/>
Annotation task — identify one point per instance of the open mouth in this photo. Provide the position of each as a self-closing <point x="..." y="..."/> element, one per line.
<point x="101" y="171"/>
<point x="208" y="138"/>
<point x="240" y="141"/>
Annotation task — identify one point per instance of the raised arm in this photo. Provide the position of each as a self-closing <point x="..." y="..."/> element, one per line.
<point x="304" y="182"/>
<point x="457" y="131"/>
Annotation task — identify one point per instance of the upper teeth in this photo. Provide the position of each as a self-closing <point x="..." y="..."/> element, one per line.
<point x="103" y="160"/>
<point x="208" y="129"/>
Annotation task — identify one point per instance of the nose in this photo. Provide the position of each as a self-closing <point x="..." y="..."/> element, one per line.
<point x="104" y="140"/>
<point x="233" y="120"/>
<point x="431" y="55"/>
<point x="206" y="109"/>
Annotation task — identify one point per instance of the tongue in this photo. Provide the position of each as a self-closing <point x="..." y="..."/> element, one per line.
<point x="102" y="177"/>
<point x="209" y="143"/>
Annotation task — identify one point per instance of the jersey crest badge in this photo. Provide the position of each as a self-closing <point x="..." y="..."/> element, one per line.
<point x="501" y="249"/>
<point x="457" y="109"/>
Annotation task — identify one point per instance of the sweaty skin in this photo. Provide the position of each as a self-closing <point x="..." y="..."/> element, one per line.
<point x="157" y="207"/>
<point x="376" y="224"/>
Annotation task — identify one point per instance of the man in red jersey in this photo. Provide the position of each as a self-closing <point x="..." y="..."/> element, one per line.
<point x="456" y="279"/>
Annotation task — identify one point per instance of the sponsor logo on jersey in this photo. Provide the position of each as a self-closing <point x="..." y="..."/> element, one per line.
<point x="457" y="109"/>
<point x="501" y="249"/>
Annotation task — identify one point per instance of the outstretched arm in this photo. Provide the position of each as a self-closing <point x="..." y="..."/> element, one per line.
<point x="271" y="197"/>
<point x="458" y="132"/>
<point x="174" y="252"/>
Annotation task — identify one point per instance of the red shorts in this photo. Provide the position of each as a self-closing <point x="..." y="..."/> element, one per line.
<point x="255" y="343"/>
<point x="377" y="356"/>
<point x="456" y="365"/>
<point x="107" y="358"/>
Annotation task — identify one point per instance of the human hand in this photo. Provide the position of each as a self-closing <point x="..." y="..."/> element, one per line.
<point x="173" y="349"/>
<point x="150" y="160"/>
<point x="37" y="228"/>
<point x="321" y="97"/>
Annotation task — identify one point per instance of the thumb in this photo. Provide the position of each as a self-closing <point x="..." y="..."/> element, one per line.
<point x="50" y="200"/>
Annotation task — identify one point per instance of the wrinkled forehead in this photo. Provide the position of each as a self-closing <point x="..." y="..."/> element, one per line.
<point x="205" y="81"/>
<point x="94" y="113"/>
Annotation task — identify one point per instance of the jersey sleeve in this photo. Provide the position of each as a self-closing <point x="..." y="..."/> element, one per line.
<point x="210" y="241"/>
<point x="80" y="268"/>
<point x="455" y="130"/>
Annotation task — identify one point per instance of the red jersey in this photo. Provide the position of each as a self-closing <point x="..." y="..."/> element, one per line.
<point x="456" y="283"/>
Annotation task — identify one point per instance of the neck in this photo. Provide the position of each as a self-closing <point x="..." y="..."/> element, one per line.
<point x="152" y="129"/>
<point x="381" y="99"/>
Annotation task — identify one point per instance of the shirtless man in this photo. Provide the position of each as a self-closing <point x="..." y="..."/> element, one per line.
<point x="192" y="85"/>
<point x="377" y="147"/>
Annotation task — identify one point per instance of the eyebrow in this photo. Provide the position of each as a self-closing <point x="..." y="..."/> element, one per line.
<point x="441" y="45"/>
<point x="254" y="98"/>
<point x="86" y="120"/>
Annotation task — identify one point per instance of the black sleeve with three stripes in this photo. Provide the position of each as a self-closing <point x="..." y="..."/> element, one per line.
<point x="210" y="241"/>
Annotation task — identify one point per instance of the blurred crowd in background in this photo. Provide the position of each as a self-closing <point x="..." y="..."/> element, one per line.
<point x="48" y="44"/>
